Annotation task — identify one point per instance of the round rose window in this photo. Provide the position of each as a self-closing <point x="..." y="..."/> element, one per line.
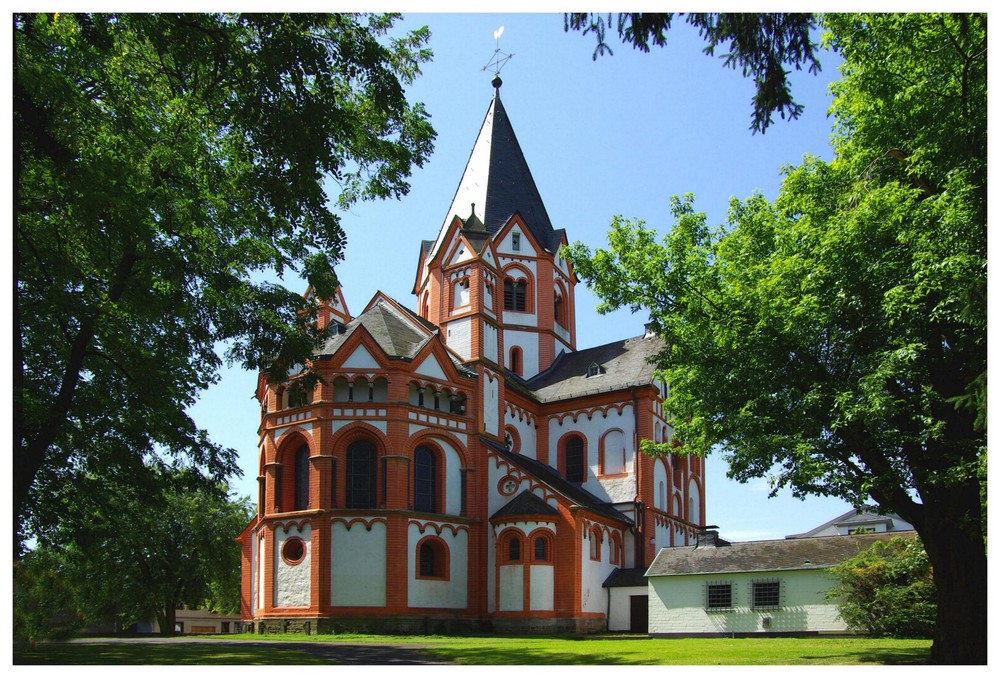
<point x="293" y="551"/>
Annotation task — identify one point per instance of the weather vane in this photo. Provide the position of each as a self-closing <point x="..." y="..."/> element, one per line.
<point x="499" y="58"/>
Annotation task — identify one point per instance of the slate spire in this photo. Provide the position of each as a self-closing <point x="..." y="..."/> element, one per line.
<point x="498" y="181"/>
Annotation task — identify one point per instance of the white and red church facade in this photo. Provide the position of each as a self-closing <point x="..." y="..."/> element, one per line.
<point x="463" y="466"/>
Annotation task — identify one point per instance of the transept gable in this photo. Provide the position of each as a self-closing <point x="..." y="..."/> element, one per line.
<point x="568" y="493"/>
<point x="395" y="331"/>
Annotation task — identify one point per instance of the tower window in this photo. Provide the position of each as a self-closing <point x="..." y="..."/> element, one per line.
<point x="515" y="360"/>
<point x="515" y="295"/>
<point x="515" y="242"/>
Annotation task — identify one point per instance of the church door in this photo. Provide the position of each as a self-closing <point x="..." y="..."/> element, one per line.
<point x="639" y="614"/>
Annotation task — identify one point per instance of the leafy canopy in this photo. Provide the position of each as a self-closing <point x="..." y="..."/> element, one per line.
<point x="165" y="167"/>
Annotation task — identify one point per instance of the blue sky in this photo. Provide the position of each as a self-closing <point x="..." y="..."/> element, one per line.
<point x="615" y="136"/>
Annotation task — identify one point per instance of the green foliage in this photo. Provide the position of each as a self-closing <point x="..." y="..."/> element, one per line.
<point x="164" y="166"/>
<point x="887" y="591"/>
<point x="137" y="542"/>
<point x="44" y="600"/>
<point x="835" y="339"/>
<point x="760" y="44"/>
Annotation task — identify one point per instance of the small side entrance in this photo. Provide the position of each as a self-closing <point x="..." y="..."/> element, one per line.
<point x="639" y="614"/>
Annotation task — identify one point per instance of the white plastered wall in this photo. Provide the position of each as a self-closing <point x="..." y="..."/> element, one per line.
<point x="357" y="577"/>
<point x="292" y="582"/>
<point x="449" y="593"/>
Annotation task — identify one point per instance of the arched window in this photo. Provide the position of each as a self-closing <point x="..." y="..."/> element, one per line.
<point x="432" y="559"/>
<point x="595" y="543"/>
<point x="615" y="549"/>
<point x="461" y="294"/>
<point x="515" y="295"/>
<point x="574" y="459"/>
<point x="559" y="308"/>
<point x="512" y="548"/>
<point x="361" y="474"/>
<point x="425" y="471"/>
<point x="516" y="361"/>
<point x="301" y="479"/>
<point x="613" y="453"/>
<point x="542" y="549"/>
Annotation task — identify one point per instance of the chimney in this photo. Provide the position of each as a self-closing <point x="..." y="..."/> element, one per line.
<point x="708" y="537"/>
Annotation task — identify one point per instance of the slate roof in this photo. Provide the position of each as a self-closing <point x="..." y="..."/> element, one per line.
<point x="398" y="331"/>
<point x="626" y="576"/>
<point x="626" y="363"/>
<point x="764" y="556"/>
<point x="498" y="182"/>
<point x="573" y="492"/>
<point x="525" y="504"/>
<point x="399" y="335"/>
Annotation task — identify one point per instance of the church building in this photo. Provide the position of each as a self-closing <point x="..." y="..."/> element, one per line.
<point x="464" y="466"/>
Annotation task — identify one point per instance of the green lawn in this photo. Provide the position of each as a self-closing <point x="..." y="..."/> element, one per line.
<point x="498" y="650"/>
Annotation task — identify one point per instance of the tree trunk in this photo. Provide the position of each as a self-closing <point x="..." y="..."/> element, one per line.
<point x="953" y="539"/>
<point x="166" y="619"/>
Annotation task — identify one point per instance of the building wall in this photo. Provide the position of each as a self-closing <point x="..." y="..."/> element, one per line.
<point x="451" y="592"/>
<point x="677" y="605"/>
<point x="357" y="571"/>
<point x="292" y="581"/>
<point x="619" y="606"/>
<point x="594" y="425"/>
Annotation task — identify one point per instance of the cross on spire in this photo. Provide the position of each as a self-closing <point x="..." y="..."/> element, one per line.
<point x="499" y="59"/>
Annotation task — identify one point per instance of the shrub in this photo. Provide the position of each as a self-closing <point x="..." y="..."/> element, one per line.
<point x="887" y="591"/>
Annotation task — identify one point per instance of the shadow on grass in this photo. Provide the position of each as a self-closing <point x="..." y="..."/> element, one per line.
<point x="889" y="656"/>
<point x="217" y="653"/>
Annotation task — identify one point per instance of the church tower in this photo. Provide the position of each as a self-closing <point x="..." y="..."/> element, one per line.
<point x="493" y="280"/>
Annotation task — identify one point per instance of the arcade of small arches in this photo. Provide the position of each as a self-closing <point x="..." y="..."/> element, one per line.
<point x="367" y="389"/>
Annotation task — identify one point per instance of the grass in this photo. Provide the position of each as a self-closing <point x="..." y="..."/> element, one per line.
<point x="492" y="650"/>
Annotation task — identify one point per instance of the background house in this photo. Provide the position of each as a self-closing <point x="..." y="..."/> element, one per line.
<point x="857" y="521"/>
<point x="718" y="588"/>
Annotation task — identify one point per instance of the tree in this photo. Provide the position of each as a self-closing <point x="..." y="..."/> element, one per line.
<point x="887" y="590"/>
<point x="761" y="44"/>
<point x="44" y="599"/>
<point x="136" y="543"/>
<point x="836" y="339"/>
<point x="164" y="167"/>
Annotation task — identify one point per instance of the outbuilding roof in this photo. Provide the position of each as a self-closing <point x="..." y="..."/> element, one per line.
<point x="764" y="556"/>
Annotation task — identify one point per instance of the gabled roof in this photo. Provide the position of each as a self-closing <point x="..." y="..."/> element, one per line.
<point x="548" y="476"/>
<point x="622" y="364"/>
<point x="525" y="504"/>
<point x="497" y="183"/>
<point x="857" y="517"/>
<point x="764" y="556"/>
<point x="399" y="333"/>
